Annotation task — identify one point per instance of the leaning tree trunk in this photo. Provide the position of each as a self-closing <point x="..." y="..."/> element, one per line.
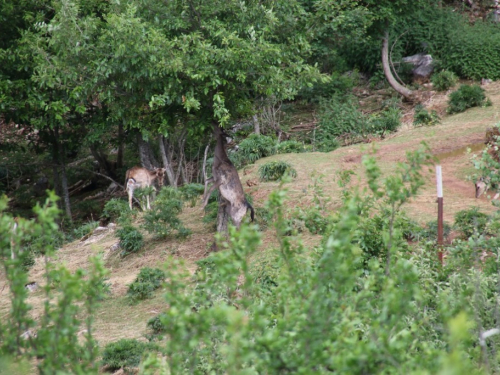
<point x="103" y="161"/>
<point x="256" y="124"/>
<point x="146" y="154"/>
<point x="59" y="159"/>
<point x="408" y="94"/>
<point x="121" y="146"/>
<point x="167" y="160"/>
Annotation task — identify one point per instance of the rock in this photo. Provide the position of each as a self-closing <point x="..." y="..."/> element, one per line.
<point x="485" y="81"/>
<point x="31" y="286"/>
<point x="99" y="230"/>
<point x="115" y="246"/>
<point x="423" y="66"/>
<point x="111" y="226"/>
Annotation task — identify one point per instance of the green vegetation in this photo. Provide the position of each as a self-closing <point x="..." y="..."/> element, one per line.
<point x="275" y="170"/>
<point x="444" y="80"/>
<point x="131" y="240"/>
<point x="148" y="280"/>
<point x="325" y="283"/>
<point x="424" y="117"/>
<point x="471" y="221"/>
<point x="467" y="96"/>
<point x="125" y="353"/>
<point x="163" y="217"/>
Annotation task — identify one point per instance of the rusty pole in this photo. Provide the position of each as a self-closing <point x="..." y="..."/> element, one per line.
<point x="439" y="182"/>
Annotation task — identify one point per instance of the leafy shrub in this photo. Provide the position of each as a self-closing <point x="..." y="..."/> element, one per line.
<point x="117" y="209"/>
<point x="387" y="121"/>
<point x="470" y="221"/>
<point x="291" y="146"/>
<point x="338" y="117"/>
<point x="192" y="192"/>
<point x="444" y="80"/>
<point x="472" y="50"/>
<point x="156" y="325"/>
<point x="467" y="96"/>
<point x="431" y="230"/>
<point x="275" y="170"/>
<point x="162" y="219"/>
<point x="253" y="148"/>
<point x="423" y="117"/>
<point x="148" y="280"/>
<point x="131" y="240"/>
<point x="338" y="85"/>
<point x="124" y="353"/>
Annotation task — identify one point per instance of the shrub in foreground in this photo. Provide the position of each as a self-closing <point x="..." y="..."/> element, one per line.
<point x="125" y="353"/>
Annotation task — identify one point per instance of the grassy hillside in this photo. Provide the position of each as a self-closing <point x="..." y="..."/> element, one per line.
<point x="116" y="318"/>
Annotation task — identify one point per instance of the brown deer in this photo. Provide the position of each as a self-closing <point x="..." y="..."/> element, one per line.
<point x="482" y="185"/>
<point x="225" y="178"/>
<point x="138" y="177"/>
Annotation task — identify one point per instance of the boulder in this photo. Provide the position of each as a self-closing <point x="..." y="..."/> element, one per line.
<point x="423" y="66"/>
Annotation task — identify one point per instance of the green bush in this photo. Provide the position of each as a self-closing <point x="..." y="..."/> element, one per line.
<point x="423" y="117"/>
<point x="291" y="146"/>
<point x="471" y="220"/>
<point x="275" y="170"/>
<point x="253" y="148"/>
<point x="387" y="121"/>
<point x="192" y="192"/>
<point x="118" y="210"/>
<point x="338" y="117"/>
<point x="444" y="80"/>
<point x="431" y="230"/>
<point x="131" y="240"/>
<point x="163" y="218"/>
<point x="148" y="280"/>
<point x="156" y="325"/>
<point x="467" y="96"/>
<point x="472" y="50"/>
<point x="124" y="353"/>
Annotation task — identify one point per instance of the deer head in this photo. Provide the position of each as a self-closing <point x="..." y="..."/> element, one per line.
<point x="481" y="186"/>
<point x="160" y="175"/>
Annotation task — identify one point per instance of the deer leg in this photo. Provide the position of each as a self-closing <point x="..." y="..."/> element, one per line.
<point x="130" y="191"/>
<point x="207" y="194"/>
<point x="147" y="200"/>
<point x="207" y="181"/>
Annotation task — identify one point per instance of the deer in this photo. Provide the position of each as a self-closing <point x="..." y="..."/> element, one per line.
<point x="139" y="177"/>
<point x="482" y="185"/>
<point x="225" y="178"/>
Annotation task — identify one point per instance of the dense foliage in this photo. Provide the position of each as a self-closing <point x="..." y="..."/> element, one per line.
<point x="467" y="96"/>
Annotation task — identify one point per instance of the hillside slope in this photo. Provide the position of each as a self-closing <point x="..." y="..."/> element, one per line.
<point x="116" y="318"/>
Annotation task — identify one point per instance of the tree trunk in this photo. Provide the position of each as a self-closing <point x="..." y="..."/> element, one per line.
<point x="256" y="125"/>
<point x="64" y="183"/>
<point x="59" y="160"/>
<point x="146" y="154"/>
<point x="103" y="161"/>
<point x="121" y="146"/>
<point x="167" y="162"/>
<point x="408" y="94"/>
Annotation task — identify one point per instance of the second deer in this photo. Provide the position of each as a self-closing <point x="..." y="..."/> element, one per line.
<point x="138" y="177"/>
